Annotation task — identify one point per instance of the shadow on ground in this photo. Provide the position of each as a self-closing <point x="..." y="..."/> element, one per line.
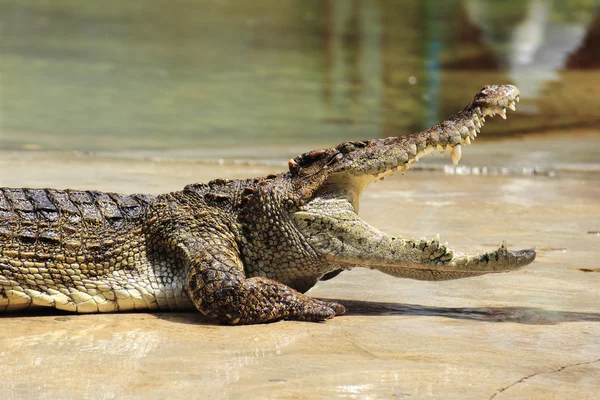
<point x="520" y="315"/>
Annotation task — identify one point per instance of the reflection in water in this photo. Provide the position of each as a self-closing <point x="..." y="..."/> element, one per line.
<point x="535" y="47"/>
<point x="587" y="56"/>
<point x="200" y="77"/>
<point x="353" y="67"/>
<point x="433" y="47"/>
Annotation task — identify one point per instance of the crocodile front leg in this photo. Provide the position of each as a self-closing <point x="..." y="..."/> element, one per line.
<point x="217" y="286"/>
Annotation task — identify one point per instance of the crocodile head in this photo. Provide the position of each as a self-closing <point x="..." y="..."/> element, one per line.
<point x="328" y="184"/>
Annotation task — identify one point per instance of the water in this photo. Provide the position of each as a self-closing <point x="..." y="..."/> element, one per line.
<point x="270" y="79"/>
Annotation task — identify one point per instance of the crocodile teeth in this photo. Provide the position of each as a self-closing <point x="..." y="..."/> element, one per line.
<point x="420" y="153"/>
<point x="456" y="154"/>
<point x="512" y="106"/>
<point x="464" y="132"/>
<point x="474" y="126"/>
<point x="472" y="133"/>
<point x="517" y="99"/>
<point x="467" y="140"/>
<point x="403" y="169"/>
<point x="502" y="113"/>
<point x="437" y="237"/>
<point x="460" y="260"/>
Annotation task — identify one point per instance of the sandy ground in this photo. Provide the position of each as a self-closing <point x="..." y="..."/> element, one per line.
<point x="527" y="334"/>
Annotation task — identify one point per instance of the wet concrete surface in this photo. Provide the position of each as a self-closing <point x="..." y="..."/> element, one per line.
<point x="526" y="334"/>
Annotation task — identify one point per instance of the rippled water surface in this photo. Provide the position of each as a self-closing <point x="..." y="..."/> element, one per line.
<point x="209" y="79"/>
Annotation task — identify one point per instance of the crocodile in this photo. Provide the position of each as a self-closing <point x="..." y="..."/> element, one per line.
<point x="239" y="251"/>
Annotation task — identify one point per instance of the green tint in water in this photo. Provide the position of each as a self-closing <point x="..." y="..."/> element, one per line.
<point x="256" y="79"/>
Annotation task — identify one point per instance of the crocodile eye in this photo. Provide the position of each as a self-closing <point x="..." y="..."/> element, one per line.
<point x="307" y="159"/>
<point x="314" y="161"/>
<point x="348" y="147"/>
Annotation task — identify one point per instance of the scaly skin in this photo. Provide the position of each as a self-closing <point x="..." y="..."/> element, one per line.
<point x="241" y="251"/>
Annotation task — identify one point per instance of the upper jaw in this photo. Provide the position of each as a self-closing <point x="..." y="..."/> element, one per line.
<point x="356" y="164"/>
<point x="384" y="157"/>
<point x="352" y="166"/>
<point x="378" y="158"/>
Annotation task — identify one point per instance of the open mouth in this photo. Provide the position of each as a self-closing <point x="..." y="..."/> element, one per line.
<point x="330" y="222"/>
